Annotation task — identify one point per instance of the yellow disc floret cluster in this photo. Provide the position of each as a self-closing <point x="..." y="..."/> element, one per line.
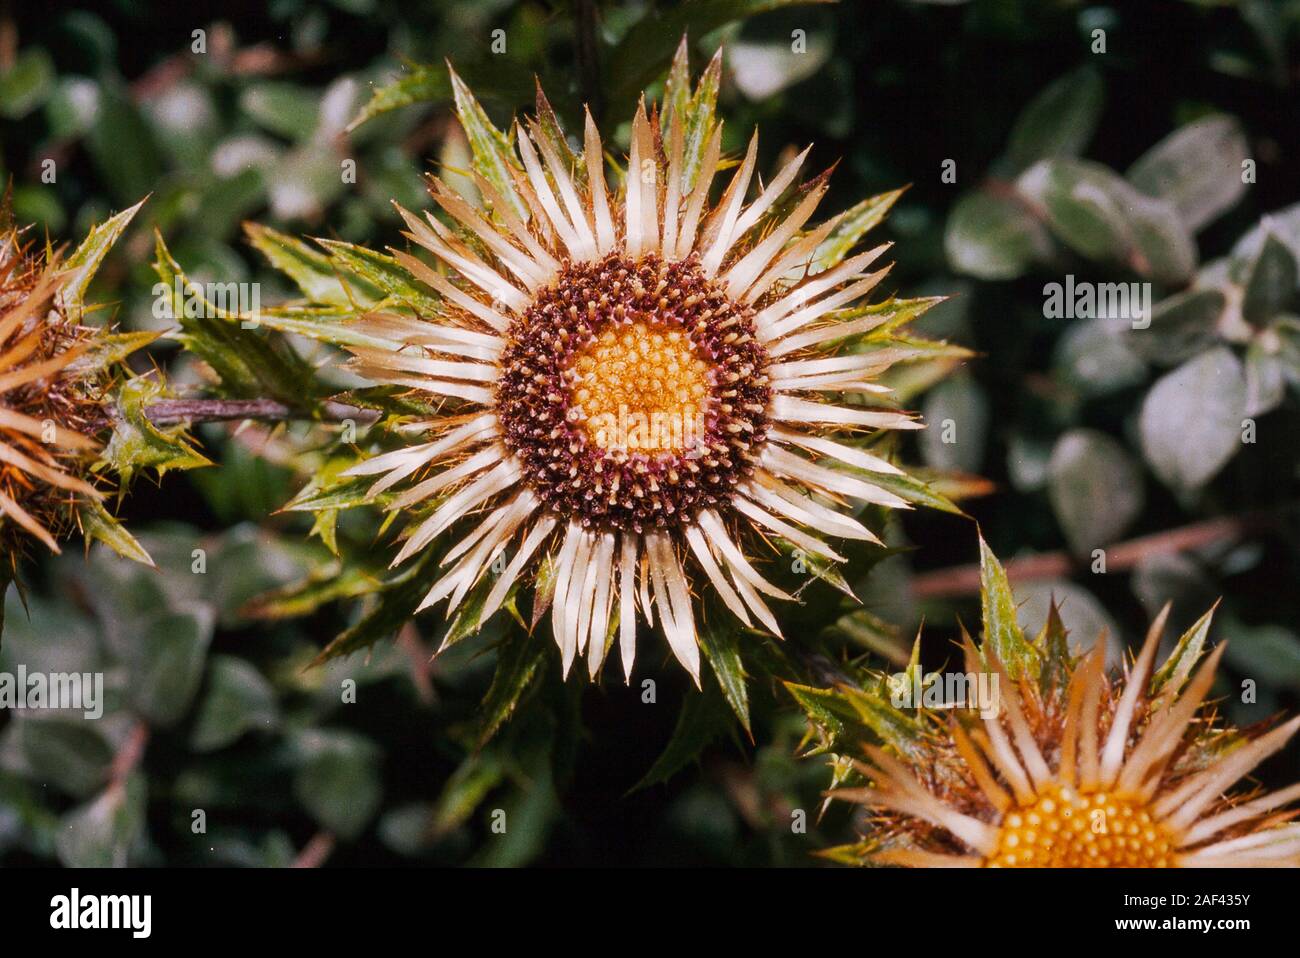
<point x="1069" y="829"/>
<point x="641" y="387"/>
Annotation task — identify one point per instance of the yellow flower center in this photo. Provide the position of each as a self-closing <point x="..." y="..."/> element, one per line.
<point x="641" y="388"/>
<point x="1066" y="829"/>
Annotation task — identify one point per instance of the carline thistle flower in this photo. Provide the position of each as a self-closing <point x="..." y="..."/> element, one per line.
<point x="636" y="377"/>
<point x="1073" y="768"/>
<point x="50" y="396"/>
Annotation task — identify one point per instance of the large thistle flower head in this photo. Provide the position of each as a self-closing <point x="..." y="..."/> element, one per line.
<point x="635" y="377"/>
<point x="1042" y="759"/>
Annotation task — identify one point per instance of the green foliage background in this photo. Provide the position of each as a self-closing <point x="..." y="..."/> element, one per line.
<point x="1122" y="165"/>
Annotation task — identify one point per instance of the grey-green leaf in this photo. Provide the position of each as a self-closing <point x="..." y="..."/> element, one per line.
<point x="1060" y="120"/>
<point x="1181" y="326"/>
<point x="167" y="663"/>
<point x="101" y="833"/>
<point x="1269" y="283"/>
<point x="993" y="237"/>
<point x="1197" y="168"/>
<point x="338" y="782"/>
<point x="1095" y="487"/>
<point x="238" y="699"/>
<point x="1191" y="420"/>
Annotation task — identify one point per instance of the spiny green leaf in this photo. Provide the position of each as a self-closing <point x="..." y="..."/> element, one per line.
<point x="137" y="443"/>
<point x="844" y="714"/>
<point x="469" y="615"/>
<point x="640" y="57"/>
<point x="325" y="526"/>
<point x="109" y="348"/>
<point x="492" y="150"/>
<point x="827" y="709"/>
<point x="854" y="222"/>
<point x="720" y="642"/>
<point x="827" y="570"/>
<point x="894" y="727"/>
<point x="677" y="86"/>
<point x="913" y="349"/>
<point x="868" y="630"/>
<point x="912" y="489"/>
<point x="98" y="523"/>
<point x="953" y="485"/>
<point x="394" y="605"/>
<point x="310" y="270"/>
<point x="552" y="131"/>
<point x="1053" y="645"/>
<point x="324" y="585"/>
<point x="390" y="401"/>
<point x="893" y="314"/>
<point x="326" y="324"/>
<point x="368" y="271"/>
<point x="1169" y="679"/>
<point x="328" y="491"/>
<point x="543" y="589"/>
<point x="698" y="118"/>
<point x="520" y="657"/>
<point x="247" y="362"/>
<point x="854" y="853"/>
<point x="704" y="717"/>
<point x="82" y="265"/>
<point x="465" y="790"/>
<point x="423" y="84"/>
<point x="1002" y="631"/>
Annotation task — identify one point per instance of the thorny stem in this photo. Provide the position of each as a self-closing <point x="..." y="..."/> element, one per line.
<point x="175" y="412"/>
<point x="965" y="580"/>
<point x="129" y="754"/>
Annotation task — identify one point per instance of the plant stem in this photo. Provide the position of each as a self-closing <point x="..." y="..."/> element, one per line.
<point x="315" y="852"/>
<point x="129" y="753"/>
<point x="175" y="412"/>
<point x="965" y="579"/>
<point x="587" y="55"/>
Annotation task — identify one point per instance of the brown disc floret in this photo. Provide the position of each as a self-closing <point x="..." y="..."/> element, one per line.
<point x="634" y="392"/>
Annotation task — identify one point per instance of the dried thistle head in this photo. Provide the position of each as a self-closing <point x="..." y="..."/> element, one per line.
<point x="55" y="376"/>
<point x="1063" y="765"/>
<point x="47" y="411"/>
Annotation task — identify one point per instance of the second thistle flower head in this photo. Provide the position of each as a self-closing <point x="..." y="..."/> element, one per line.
<point x="49" y="407"/>
<point x="57" y="375"/>
<point x="637" y="379"/>
<point x="1053" y="763"/>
